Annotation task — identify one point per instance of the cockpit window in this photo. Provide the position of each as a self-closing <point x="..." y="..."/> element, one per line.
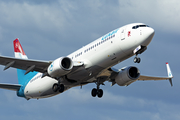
<point x="137" y="26"/>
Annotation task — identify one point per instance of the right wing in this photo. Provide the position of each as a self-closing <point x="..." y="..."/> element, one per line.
<point x="24" y="64"/>
<point x="21" y="62"/>
<point x="31" y="65"/>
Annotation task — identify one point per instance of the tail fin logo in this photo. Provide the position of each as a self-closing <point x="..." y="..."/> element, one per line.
<point x="170" y="74"/>
<point x="18" y="47"/>
<point x="19" y="52"/>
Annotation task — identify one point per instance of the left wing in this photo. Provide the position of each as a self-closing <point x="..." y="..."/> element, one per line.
<point x="142" y="77"/>
<point x="24" y="64"/>
<point x="170" y="76"/>
<point x="112" y="73"/>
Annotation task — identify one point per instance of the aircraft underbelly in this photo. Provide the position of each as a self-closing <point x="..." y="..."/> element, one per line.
<point x="84" y="74"/>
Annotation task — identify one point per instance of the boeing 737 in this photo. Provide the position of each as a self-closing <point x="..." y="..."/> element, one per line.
<point x="92" y="63"/>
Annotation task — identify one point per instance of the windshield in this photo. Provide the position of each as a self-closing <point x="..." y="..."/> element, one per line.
<point x="137" y="26"/>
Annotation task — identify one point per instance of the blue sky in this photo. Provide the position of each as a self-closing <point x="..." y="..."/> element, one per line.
<point x="50" y="29"/>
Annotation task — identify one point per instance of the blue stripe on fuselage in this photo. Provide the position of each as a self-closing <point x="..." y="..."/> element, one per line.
<point x="109" y="34"/>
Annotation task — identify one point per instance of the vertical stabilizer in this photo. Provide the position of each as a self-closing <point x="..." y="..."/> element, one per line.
<point x="19" y="53"/>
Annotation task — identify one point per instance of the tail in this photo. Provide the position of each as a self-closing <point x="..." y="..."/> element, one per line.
<point x="18" y="50"/>
<point x="169" y="73"/>
<point x="19" y="53"/>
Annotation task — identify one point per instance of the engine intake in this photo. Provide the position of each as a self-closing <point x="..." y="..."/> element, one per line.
<point x="127" y="75"/>
<point x="60" y="67"/>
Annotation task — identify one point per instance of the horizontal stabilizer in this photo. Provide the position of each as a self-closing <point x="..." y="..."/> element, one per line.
<point x="14" y="87"/>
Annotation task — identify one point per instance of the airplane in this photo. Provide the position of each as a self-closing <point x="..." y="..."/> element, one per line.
<point x="92" y="63"/>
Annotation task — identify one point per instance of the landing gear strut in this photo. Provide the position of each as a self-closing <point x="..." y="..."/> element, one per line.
<point x="140" y="49"/>
<point x="58" y="87"/>
<point x="96" y="91"/>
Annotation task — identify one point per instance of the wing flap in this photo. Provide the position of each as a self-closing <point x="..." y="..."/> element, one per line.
<point x="142" y="77"/>
<point x="14" y="87"/>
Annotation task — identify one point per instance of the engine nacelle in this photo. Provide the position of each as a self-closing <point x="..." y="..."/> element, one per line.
<point x="127" y="75"/>
<point x="60" y="67"/>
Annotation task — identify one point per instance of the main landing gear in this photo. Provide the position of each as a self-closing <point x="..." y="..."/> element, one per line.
<point x="96" y="91"/>
<point x="58" y="87"/>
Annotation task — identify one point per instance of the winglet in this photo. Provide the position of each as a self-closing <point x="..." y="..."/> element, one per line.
<point x="169" y="73"/>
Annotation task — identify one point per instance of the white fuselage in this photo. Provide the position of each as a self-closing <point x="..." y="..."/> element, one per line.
<point x="105" y="52"/>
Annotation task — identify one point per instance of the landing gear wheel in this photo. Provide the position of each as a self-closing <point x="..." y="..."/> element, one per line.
<point x="55" y="87"/>
<point x="100" y="93"/>
<point x="61" y="88"/>
<point x="94" y="92"/>
<point x="137" y="60"/>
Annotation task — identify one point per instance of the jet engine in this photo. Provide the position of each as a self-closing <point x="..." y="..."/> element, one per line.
<point x="127" y="75"/>
<point x="60" y="67"/>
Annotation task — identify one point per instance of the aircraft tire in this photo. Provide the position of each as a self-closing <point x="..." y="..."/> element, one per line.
<point x="94" y="92"/>
<point x="61" y="88"/>
<point x="55" y="87"/>
<point x="137" y="60"/>
<point x="100" y="93"/>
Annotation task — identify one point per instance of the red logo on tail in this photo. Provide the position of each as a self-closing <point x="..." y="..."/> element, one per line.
<point x="18" y="47"/>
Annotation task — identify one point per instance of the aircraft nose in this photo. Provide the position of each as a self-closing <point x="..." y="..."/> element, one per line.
<point x="148" y="35"/>
<point x="151" y="32"/>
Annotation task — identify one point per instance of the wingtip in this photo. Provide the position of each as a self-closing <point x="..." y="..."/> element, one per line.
<point x="169" y="74"/>
<point x="169" y="70"/>
<point x="170" y="80"/>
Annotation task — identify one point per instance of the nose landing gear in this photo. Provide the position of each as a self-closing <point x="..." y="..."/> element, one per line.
<point x="140" y="49"/>
<point x="137" y="59"/>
